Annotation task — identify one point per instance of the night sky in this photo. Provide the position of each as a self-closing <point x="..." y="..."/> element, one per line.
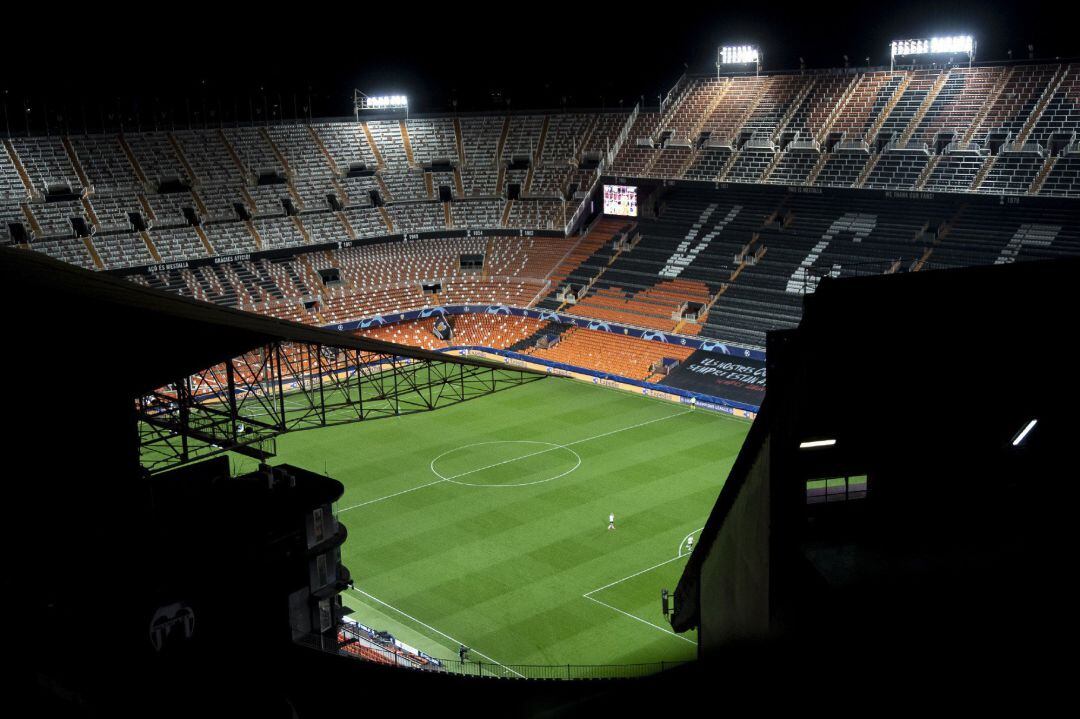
<point x="226" y="65"/>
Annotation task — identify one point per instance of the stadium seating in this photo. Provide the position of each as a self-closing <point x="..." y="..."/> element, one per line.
<point x="778" y="144"/>
<point x="877" y="129"/>
<point x="606" y="352"/>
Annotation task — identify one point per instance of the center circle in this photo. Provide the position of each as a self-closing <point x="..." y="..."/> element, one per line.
<point x="460" y="465"/>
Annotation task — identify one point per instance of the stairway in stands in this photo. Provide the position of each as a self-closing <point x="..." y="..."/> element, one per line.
<point x="685" y="255"/>
<point x="598" y="237"/>
<point x="548" y="328"/>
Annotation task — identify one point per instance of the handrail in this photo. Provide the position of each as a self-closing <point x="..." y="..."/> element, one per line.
<point x="670" y="97"/>
<point x="605" y="162"/>
<point x="958" y="146"/>
<point x="853" y="145"/>
<point x="476" y="666"/>
<point x="348" y="291"/>
<point x="1023" y="147"/>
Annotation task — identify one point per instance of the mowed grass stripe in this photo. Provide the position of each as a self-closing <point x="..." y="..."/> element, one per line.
<point x="479" y="558"/>
<point x="504" y="569"/>
<point x="527" y="428"/>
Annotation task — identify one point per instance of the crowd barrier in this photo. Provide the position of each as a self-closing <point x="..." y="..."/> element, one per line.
<point x="362" y="643"/>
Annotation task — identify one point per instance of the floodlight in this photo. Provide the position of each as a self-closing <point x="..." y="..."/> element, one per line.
<point x="739" y="55"/>
<point x="948" y="45"/>
<point x="380" y="102"/>
<point x="945" y="45"/>
<point x="383" y="102"/>
<point x="954" y="44"/>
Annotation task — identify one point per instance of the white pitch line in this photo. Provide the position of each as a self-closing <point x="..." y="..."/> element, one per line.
<point x="389" y="496"/>
<point x="533" y="454"/>
<point x="505" y="461"/>
<point x="627" y="614"/>
<point x="569" y="444"/>
<point x="633" y="426"/>
<point x="428" y="626"/>
<point x="635" y="574"/>
<point x="688" y="537"/>
<point x="588" y="595"/>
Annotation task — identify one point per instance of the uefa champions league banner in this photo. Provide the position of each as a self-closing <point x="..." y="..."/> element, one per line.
<point x="698" y="343"/>
<point x="604" y="379"/>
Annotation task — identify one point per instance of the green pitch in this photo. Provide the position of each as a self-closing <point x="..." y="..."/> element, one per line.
<point x="486" y="523"/>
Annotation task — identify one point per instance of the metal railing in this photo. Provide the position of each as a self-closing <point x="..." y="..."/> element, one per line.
<point x="958" y="147"/>
<point x="609" y="159"/>
<point x="674" y="94"/>
<point x="364" y="646"/>
<point x="1023" y="148"/>
<point x="556" y="671"/>
<point x="810" y="278"/>
<point x="758" y="142"/>
<point x="605" y="163"/>
<point x="852" y="146"/>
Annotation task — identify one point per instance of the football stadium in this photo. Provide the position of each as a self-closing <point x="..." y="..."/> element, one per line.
<point x="389" y="402"/>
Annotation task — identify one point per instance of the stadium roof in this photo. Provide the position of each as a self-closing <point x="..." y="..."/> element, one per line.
<point x="143" y="337"/>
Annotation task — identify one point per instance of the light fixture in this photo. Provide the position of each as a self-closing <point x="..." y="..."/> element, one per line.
<point x="728" y="55"/>
<point x="816" y="443"/>
<point x="739" y="54"/>
<point x="945" y="45"/>
<point x="955" y="44"/>
<point x="1024" y="432"/>
<point x="383" y="102"/>
<point x="362" y="102"/>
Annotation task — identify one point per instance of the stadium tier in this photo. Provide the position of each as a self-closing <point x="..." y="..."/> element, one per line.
<point x="747" y="183"/>
<point x="996" y="129"/>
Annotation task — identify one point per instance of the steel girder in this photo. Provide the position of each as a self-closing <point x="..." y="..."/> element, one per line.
<point x="243" y="404"/>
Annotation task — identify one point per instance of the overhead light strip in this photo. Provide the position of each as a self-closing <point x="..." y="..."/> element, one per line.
<point x="1024" y="432"/>
<point x="815" y="443"/>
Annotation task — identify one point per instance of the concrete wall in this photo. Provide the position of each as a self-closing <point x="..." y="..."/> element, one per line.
<point x="735" y="574"/>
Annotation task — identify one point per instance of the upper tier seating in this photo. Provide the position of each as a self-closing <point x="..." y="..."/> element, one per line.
<point x="12" y="189"/>
<point x="47" y="163"/>
<point x="220" y="179"/>
<point x="951" y="133"/>
<point x="959" y="111"/>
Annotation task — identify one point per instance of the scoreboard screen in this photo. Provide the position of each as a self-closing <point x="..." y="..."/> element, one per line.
<point x="620" y="200"/>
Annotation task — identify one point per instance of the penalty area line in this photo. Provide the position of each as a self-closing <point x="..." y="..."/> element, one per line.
<point x="588" y="595"/>
<point x="643" y="621"/>
<point x="635" y="574"/>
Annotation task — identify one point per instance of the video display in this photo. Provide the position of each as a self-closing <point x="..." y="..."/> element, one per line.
<point x="620" y="200"/>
